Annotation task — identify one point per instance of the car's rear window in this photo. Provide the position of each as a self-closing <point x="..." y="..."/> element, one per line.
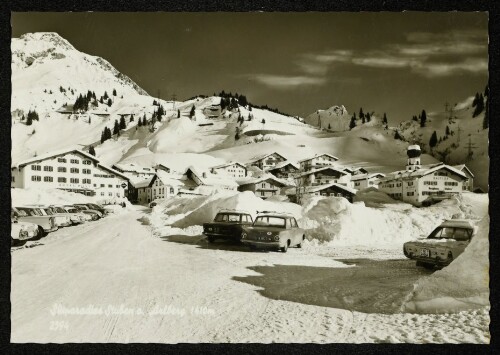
<point x="227" y="217"/>
<point x="270" y="221"/>
<point x="457" y="233"/>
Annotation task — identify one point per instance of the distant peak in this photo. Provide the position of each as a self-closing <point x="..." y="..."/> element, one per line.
<point x="52" y="37"/>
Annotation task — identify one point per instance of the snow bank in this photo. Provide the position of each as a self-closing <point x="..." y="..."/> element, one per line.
<point x="373" y="197"/>
<point x="46" y="197"/>
<point x="464" y="284"/>
<point x="336" y="221"/>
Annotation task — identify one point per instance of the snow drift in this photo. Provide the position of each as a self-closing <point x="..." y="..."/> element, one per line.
<point x="464" y="284"/>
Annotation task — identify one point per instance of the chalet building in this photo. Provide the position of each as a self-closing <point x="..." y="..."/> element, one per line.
<point x="134" y="170"/>
<point x="469" y="183"/>
<point x="139" y="190"/>
<point x="234" y="169"/>
<point x="357" y="170"/>
<point x="264" y="186"/>
<point x="284" y="170"/>
<point x="419" y="183"/>
<point x="164" y="185"/>
<point x="325" y="175"/>
<point x="267" y="161"/>
<point x="328" y="190"/>
<point x="207" y="183"/>
<point x="363" y="181"/>
<point x="317" y="162"/>
<point x="71" y="170"/>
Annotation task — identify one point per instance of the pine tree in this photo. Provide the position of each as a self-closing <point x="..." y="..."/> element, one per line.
<point x="92" y="150"/>
<point x="155" y="103"/>
<point x="352" y="124"/>
<point x="105" y="95"/>
<point x="123" y="125"/>
<point x="398" y="136"/>
<point x="114" y="92"/>
<point x="103" y="136"/>
<point x="329" y="126"/>
<point x="447" y="130"/>
<point x="423" y="118"/>
<point x="144" y="121"/>
<point x="384" y="120"/>
<point x="116" y="127"/>
<point x="368" y="117"/>
<point x="361" y="114"/>
<point x="433" y="141"/>
<point x="139" y="122"/>
<point x="191" y="113"/>
<point x="178" y="113"/>
<point x="101" y="100"/>
<point x="110" y="102"/>
<point x="479" y="104"/>
<point x="90" y="120"/>
<point x="29" y="121"/>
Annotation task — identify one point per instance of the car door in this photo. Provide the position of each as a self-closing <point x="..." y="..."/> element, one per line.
<point x="298" y="232"/>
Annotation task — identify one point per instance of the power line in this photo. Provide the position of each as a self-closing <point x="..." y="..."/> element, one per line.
<point x="470" y="149"/>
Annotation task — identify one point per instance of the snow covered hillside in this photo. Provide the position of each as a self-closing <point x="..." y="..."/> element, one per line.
<point x="455" y="129"/>
<point x="335" y="118"/>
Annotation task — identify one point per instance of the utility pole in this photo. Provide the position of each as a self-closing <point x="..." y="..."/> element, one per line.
<point x="470" y="149"/>
<point x="458" y="136"/>
<point x="174" y="97"/>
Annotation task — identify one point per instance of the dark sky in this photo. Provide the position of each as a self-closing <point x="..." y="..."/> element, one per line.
<point x="397" y="63"/>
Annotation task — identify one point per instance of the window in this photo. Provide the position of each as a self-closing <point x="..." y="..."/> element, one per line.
<point x="48" y="168"/>
<point x="356" y="184"/>
<point x="74" y="180"/>
<point x="86" y="181"/>
<point x="75" y="161"/>
<point x="36" y="167"/>
<point x="263" y="185"/>
<point x="430" y="183"/>
<point x="61" y="179"/>
<point x="270" y="221"/>
<point x="48" y="179"/>
<point x="451" y="183"/>
<point x="13" y="179"/>
<point x="102" y="185"/>
<point x="87" y="162"/>
<point x="109" y="185"/>
<point x="410" y="183"/>
<point x="75" y="170"/>
<point x="61" y="160"/>
<point x="86" y="171"/>
<point x="410" y="193"/>
<point x="36" y="178"/>
<point x="102" y="193"/>
<point x="61" y="169"/>
<point x="110" y="194"/>
<point x="262" y="193"/>
<point x="117" y="186"/>
<point x="172" y="190"/>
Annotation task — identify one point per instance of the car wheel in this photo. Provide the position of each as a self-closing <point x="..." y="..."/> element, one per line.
<point x="41" y="233"/>
<point x="425" y="265"/>
<point x="302" y="240"/>
<point x="211" y="239"/>
<point x="285" y="248"/>
<point x="253" y="247"/>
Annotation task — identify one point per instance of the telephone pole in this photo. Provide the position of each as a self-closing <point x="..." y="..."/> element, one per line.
<point x="458" y="136"/>
<point x="470" y="149"/>
<point x="174" y="97"/>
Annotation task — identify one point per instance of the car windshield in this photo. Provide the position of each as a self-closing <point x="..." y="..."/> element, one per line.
<point x="47" y="211"/>
<point x="82" y="207"/>
<point x="227" y="217"/>
<point x="59" y="210"/>
<point x="94" y="206"/>
<point x="270" y="221"/>
<point x="31" y="211"/>
<point x="72" y="210"/>
<point x="457" y="233"/>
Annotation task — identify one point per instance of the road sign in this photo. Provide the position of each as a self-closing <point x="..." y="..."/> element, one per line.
<point x="124" y="184"/>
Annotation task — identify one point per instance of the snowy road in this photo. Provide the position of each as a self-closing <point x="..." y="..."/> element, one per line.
<point x="113" y="281"/>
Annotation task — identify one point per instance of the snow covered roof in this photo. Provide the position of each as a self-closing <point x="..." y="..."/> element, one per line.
<point x="366" y="176"/>
<point x="263" y="156"/>
<point x="211" y="179"/>
<point x="228" y="164"/>
<point x="283" y="164"/>
<point x="54" y="154"/>
<point x="424" y="170"/>
<point x="317" y="188"/>
<point x="319" y="155"/>
<point x="323" y="169"/>
<point x="264" y="178"/>
<point x="139" y="182"/>
<point x="167" y="179"/>
<point x="461" y="167"/>
<point x="131" y="167"/>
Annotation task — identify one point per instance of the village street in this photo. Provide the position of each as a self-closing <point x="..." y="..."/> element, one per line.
<point x="113" y="281"/>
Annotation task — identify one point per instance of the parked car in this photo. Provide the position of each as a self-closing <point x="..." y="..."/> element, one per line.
<point x="85" y="216"/>
<point x="83" y="206"/>
<point x="273" y="230"/>
<point x="443" y="245"/>
<point x="84" y="209"/>
<point x="227" y="224"/>
<point x="62" y="220"/>
<point x="155" y="202"/>
<point x="94" y="207"/>
<point x="20" y="232"/>
<point x="75" y="217"/>
<point x="46" y="224"/>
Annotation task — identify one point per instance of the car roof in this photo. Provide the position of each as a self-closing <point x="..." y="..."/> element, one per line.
<point x="233" y="211"/>
<point x="457" y="223"/>
<point x="275" y="214"/>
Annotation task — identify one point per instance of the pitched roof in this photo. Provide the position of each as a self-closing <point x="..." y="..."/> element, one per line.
<point x="424" y="170"/>
<point x="461" y="167"/>
<point x="167" y="179"/>
<point x="282" y="164"/>
<point x="316" y="188"/>
<point x="264" y="178"/>
<point x="131" y="167"/>
<point x="54" y="154"/>
<point x="260" y="157"/>
<point x="228" y="164"/>
<point x="212" y="179"/>
<point x="139" y="182"/>
<point x="319" y="155"/>
<point x="322" y="169"/>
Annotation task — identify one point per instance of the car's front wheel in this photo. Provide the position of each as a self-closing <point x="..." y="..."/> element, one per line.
<point x="301" y="241"/>
<point x="285" y="248"/>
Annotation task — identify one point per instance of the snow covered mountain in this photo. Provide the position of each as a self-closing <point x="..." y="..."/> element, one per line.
<point x="335" y="118"/>
<point x="456" y="130"/>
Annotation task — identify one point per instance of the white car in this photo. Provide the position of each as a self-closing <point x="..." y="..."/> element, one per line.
<point x="20" y="232"/>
